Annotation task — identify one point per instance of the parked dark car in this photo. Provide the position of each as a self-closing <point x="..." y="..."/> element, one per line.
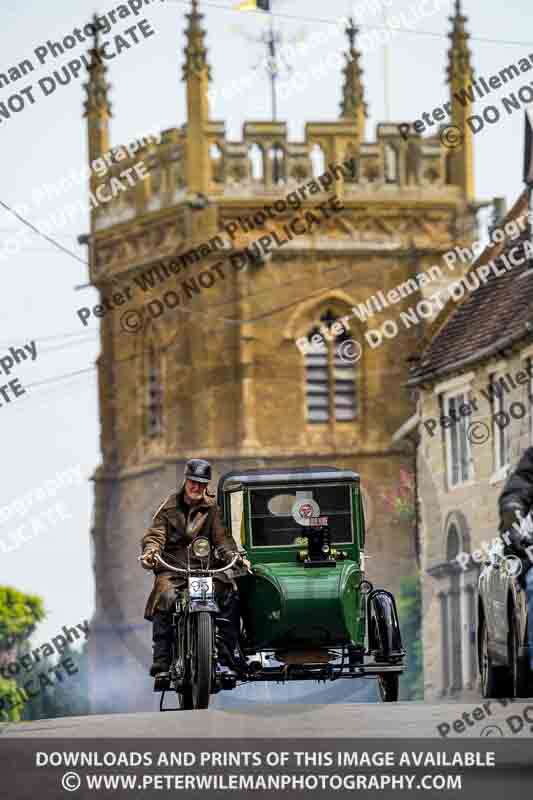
<point x="502" y="630"/>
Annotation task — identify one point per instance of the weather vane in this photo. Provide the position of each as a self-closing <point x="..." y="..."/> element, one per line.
<point x="272" y="39"/>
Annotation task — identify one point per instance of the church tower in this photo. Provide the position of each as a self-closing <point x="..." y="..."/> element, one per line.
<point x="229" y="266"/>
<point x="460" y="77"/>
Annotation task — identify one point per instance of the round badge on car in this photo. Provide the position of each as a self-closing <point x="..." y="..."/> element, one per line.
<point x="302" y="510"/>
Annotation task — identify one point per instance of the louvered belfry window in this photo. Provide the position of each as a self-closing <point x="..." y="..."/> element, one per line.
<point x="154" y="405"/>
<point x="331" y="389"/>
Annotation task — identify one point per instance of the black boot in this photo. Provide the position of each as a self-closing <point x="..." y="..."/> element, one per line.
<point x="228" y="629"/>
<point x="162" y="642"/>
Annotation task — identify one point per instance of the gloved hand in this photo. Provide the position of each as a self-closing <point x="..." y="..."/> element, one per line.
<point x="510" y="520"/>
<point x="147" y="559"/>
<point x="244" y="561"/>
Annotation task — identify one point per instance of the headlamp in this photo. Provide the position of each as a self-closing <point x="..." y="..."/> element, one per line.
<point x="201" y="547"/>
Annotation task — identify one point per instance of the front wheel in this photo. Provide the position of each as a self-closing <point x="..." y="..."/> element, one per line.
<point x="519" y="664"/>
<point x="389" y="687"/>
<point x="494" y="680"/>
<point x="202" y="659"/>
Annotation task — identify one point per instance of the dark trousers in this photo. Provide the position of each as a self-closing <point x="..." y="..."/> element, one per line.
<point x="227" y="629"/>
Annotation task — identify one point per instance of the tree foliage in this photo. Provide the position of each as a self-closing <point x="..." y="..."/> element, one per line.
<point x="56" y="692"/>
<point x="410" y="613"/>
<point x="19" y="615"/>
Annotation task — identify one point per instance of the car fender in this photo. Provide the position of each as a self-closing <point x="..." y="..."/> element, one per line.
<point x="381" y="607"/>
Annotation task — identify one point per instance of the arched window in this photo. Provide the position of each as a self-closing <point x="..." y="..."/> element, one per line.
<point x="331" y="390"/>
<point x="255" y="154"/>
<point x="154" y="405"/>
<point x="277" y="156"/>
<point x="318" y="160"/>
<point x="391" y="164"/>
<point x="453" y="543"/>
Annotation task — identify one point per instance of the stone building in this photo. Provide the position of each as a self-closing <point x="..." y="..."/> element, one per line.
<point x="198" y="343"/>
<point x="474" y="419"/>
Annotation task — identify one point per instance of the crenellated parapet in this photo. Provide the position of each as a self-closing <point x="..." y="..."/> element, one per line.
<point x="194" y="176"/>
<point x="264" y="162"/>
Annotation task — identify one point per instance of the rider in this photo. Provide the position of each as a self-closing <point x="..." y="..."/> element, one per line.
<point x="183" y="516"/>
<point x="516" y="501"/>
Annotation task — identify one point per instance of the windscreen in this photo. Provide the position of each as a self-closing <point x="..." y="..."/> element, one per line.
<point x="273" y="524"/>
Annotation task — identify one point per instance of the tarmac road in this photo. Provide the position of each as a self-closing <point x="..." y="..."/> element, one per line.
<point x="414" y="720"/>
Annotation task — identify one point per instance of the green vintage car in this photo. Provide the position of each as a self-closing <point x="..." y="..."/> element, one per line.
<point x="308" y="612"/>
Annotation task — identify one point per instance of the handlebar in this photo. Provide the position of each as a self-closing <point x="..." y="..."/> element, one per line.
<point x="202" y="571"/>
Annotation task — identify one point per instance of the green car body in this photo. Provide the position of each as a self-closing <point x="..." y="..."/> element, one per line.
<point x="286" y="604"/>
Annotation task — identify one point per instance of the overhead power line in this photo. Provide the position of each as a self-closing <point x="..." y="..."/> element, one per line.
<point x="40" y="233"/>
<point x="329" y="21"/>
<point x="265" y="315"/>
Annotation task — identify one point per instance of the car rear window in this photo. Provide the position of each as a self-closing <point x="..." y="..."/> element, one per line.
<point x="274" y="526"/>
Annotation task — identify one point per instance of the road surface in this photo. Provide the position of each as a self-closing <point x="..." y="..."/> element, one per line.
<point x="390" y="720"/>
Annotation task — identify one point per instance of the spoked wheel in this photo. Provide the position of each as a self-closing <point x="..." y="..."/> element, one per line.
<point x="202" y="659"/>
<point x="494" y="680"/>
<point x="183" y="694"/>
<point x="389" y="687"/>
<point x="519" y="665"/>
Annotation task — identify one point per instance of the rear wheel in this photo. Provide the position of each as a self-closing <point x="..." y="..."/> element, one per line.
<point x="202" y="659"/>
<point x="389" y="687"/>
<point x="519" y="664"/>
<point x="494" y="680"/>
<point x="185" y="699"/>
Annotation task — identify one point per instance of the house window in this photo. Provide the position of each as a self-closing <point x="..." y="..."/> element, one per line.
<point x="458" y="455"/>
<point x="154" y="407"/>
<point x="501" y="431"/>
<point x="331" y="390"/>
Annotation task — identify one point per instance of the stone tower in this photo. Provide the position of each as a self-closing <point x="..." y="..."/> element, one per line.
<point x="200" y="357"/>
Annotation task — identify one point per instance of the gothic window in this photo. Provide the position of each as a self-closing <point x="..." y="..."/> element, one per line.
<point x="331" y="390"/>
<point x="154" y="406"/>
<point x="351" y="153"/>
<point x="217" y="163"/>
<point x="391" y="164"/>
<point x="255" y="154"/>
<point x="318" y="160"/>
<point x="277" y="157"/>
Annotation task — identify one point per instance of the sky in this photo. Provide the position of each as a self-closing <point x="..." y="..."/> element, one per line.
<point x="50" y="433"/>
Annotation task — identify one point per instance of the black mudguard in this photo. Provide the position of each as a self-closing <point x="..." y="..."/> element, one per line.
<point x="384" y="635"/>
